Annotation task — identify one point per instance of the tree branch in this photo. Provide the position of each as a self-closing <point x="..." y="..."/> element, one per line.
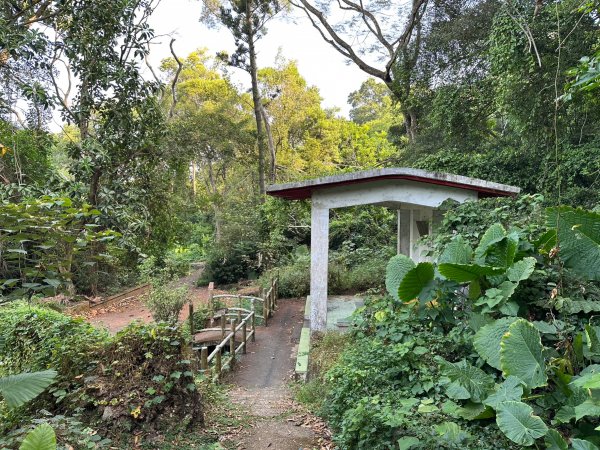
<point x="174" y="82"/>
<point x="336" y="41"/>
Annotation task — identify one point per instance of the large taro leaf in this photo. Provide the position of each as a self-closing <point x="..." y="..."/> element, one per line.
<point x="510" y="390"/>
<point x="555" y="441"/>
<point x="458" y="251"/>
<point x="464" y="273"/>
<point x="492" y="235"/>
<point x="21" y="388"/>
<point x="581" y="444"/>
<point x="41" y="438"/>
<point x="521" y="354"/>
<point x="397" y="267"/>
<point x="502" y="253"/>
<point x="593" y="342"/>
<point x="521" y="270"/>
<point x="578" y="234"/>
<point x="466" y="381"/>
<point x="415" y="281"/>
<point x="589" y="408"/>
<point x="487" y="340"/>
<point x="590" y="380"/>
<point x="517" y="421"/>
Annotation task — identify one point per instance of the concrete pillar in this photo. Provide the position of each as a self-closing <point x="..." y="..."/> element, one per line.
<point x="319" y="259"/>
<point x="412" y="231"/>
<point x="404" y="232"/>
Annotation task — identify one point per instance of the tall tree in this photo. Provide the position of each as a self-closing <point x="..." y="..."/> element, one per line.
<point x="247" y="20"/>
<point x="397" y="48"/>
<point x="210" y="129"/>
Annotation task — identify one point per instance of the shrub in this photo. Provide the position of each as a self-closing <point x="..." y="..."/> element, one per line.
<point x="382" y="391"/>
<point x="165" y="302"/>
<point x="38" y="338"/>
<point x="173" y="266"/>
<point x="146" y="377"/>
<point x="229" y="264"/>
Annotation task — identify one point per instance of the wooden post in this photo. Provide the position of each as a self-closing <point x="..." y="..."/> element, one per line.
<point x="265" y="307"/>
<point x="232" y="344"/>
<point x="239" y="301"/>
<point x="211" y="305"/>
<point x="191" y="319"/>
<point x="223" y="317"/>
<point x="244" y="336"/>
<point x="218" y="363"/>
<point x="239" y="317"/>
<point x="253" y="323"/>
<point x="273" y="292"/>
<point x="204" y="359"/>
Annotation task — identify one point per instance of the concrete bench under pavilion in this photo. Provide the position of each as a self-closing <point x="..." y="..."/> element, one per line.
<point x="415" y="194"/>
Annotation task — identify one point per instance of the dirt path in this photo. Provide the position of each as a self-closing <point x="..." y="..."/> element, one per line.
<point x="117" y="316"/>
<point x="261" y="386"/>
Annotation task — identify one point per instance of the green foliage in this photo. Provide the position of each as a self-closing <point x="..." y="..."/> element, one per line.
<point x="349" y="272"/>
<point x="578" y="235"/>
<point x="521" y="354"/>
<point x="41" y="438"/>
<point x="517" y="421"/>
<point x="21" y="388"/>
<point x="383" y="391"/>
<point x="40" y="240"/>
<point x="38" y="337"/>
<point x="166" y="302"/>
<point x="487" y="340"/>
<point x="153" y="385"/>
<point x="522" y="367"/>
<point x="398" y="267"/>
<point x="324" y="354"/>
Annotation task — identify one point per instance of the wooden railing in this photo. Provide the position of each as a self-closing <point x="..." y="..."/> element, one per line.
<point x="238" y="319"/>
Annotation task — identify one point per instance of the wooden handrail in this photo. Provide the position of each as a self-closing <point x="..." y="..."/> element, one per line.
<point x="241" y="320"/>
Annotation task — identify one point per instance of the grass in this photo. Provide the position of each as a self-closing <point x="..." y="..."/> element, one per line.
<point x="324" y="353"/>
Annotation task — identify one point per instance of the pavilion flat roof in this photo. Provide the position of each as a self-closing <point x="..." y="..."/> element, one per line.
<point x="303" y="189"/>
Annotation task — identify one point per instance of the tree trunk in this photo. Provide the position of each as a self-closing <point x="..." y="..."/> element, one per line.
<point x="272" y="151"/>
<point x="410" y="122"/>
<point x="194" y="190"/>
<point x="94" y="187"/>
<point x="256" y="100"/>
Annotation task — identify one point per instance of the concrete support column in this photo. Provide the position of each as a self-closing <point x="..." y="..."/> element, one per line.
<point x="319" y="259"/>
<point x="404" y="232"/>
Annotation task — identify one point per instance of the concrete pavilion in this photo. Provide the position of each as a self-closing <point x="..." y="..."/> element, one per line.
<point x="415" y="194"/>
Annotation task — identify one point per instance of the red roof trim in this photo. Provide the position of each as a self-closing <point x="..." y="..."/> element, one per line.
<point x="305" y="192"/>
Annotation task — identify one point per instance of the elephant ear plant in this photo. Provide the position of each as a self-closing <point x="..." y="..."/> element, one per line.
<point x="16" y="390"/>
<point x="517" y="375"/>
<point x="487" y="276"/>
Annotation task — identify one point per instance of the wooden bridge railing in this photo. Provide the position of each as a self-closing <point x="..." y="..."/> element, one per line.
<point x="239" y="320"/>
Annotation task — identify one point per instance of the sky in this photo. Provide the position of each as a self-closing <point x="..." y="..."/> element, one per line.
<point x="294" y="37"/>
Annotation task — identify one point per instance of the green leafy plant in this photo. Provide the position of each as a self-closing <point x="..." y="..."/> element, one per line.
<point x="577" y="234"/>
<point x="166" y="302"/>
<point x="39" y="242"/>
<point x="21" y="388"/>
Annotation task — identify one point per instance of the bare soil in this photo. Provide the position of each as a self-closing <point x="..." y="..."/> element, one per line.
<point x="117" y="316"/>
